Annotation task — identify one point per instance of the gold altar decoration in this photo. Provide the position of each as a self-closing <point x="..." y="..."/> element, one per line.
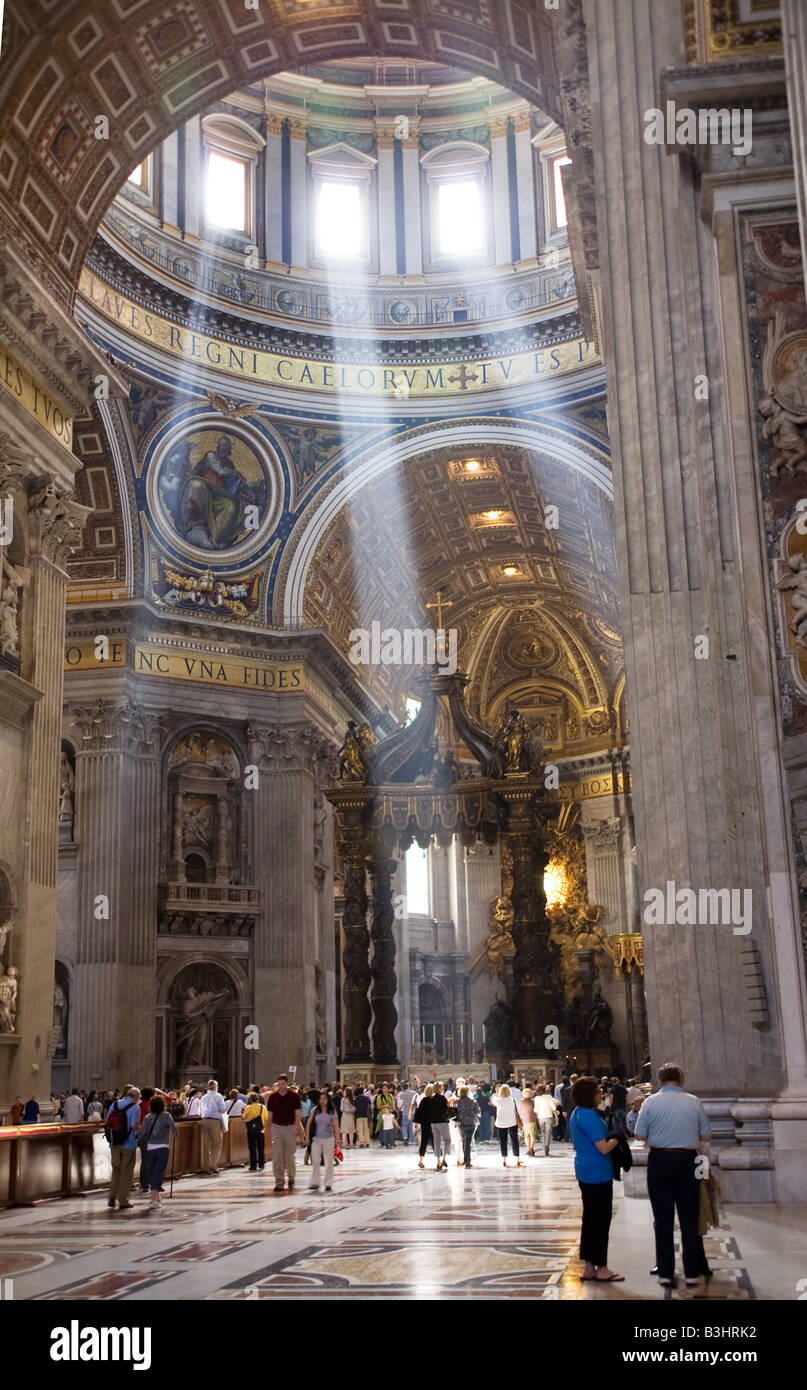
<point x="574" y="921"/>
<point x="499" y="941"/>
<point x="556" y="884"/>
<point x="627" y="950"/>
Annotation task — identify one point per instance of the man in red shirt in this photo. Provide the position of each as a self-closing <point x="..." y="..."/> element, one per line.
<point x="284" y="1123"/>
<point x="17" y="1111"/>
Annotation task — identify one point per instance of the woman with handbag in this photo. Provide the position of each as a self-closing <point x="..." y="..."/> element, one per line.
<point x="594" y="1171"/>
<point x="322" y="1132"/>
<point x="254" y="1117"/>
<point x="507" y="1122"/>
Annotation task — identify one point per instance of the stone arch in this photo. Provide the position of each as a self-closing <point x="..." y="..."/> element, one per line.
<point x="364" y="468"/>
<point x="149" y="71"/>
<point x="171" y="971"/>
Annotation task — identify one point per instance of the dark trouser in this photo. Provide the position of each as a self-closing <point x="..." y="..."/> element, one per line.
<point x="484" y="1126"/>
<point x="425" y="1139"/>
<point x="157" y="1162"/>
<point x="503" y="1133"/>
<point x="467" y="1140"/>
<point x="672" y="1186"/>
<point x="256" y="1150"/>
<point x="598" y="1200"/>
<point x="144" y="1171"/>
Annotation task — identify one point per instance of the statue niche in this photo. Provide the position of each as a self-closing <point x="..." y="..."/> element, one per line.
<point x="203" y="807"/>
<point x="67" y="787"/>
<point x="200" y="1021"/>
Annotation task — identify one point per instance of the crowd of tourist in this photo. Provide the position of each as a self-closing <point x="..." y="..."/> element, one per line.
<point x="452" y="1118"/>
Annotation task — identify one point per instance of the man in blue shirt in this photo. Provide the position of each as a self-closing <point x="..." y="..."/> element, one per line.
<point x="673" y="1124"/>
<point x="123" y="1155"/>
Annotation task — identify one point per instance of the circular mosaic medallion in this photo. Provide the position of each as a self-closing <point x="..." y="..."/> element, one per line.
<point x="531" y="649"/>
<point x="403" y="311"/>
<point x="289" y="302"/>
<point x="215" y="490"/>
<point x="789" y="371"/>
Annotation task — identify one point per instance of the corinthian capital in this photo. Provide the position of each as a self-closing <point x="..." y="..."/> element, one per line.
<point x="288" y="747"/>
<point x="16" y="464"/>
<point x="57" y="522"/>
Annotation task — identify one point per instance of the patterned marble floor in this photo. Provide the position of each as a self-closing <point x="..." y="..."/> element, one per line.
<point x="388" y="1230"/>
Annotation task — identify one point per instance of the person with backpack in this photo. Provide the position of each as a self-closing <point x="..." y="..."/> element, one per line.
<point x="154" y="1141"/>
<point x="254" y="1117"/>
<point x="120" y="1128"/>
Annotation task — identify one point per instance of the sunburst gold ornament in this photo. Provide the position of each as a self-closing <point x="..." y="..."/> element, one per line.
<point x="556" y="884"/>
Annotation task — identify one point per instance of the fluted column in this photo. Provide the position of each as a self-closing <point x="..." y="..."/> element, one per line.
<point x="102" y="897"/>
<point x="283" y="854"/>
<point x="273" y="187"/>
<point x="117" y="819"/>
<point x="500" y="190"/>
<point x="382" y="964"/>
<point x="695" y="723"/>
<point x="299" y="193"/>
<point x="605" y="871"/>
<point x="46" y="535"/>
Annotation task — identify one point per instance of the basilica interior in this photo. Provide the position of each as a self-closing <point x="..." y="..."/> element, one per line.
<point x="400" y="469"/>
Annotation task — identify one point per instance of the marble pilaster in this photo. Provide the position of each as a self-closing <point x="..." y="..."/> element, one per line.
<point x="273" y="132"/>
<point x="385" y="149"/>
<point x="194" y="179"/>
<point x="500" y="191"/>
<point x="285" y="947"/>
<point x="525" y="166"/>
<point x="412" y="200"/>
<point x="692" y="736"/>
<point x="169" y="182"/>
<point x="299" y="193"/>
<point x="117" y="834"/>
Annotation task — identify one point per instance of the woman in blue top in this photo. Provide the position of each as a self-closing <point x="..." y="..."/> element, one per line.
<point x="595" y="1177"/>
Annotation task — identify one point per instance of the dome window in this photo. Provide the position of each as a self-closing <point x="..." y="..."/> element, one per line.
<point x="342" y="185"/>
<point x="231" y="154"/>
<point x="459" y="218"/>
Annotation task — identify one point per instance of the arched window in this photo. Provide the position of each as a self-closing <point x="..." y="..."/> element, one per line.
<point x="231" y="149"/>
<point x="459" y="222"/>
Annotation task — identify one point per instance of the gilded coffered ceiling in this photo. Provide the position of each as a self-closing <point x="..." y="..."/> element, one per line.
<point x="520" y="546"/>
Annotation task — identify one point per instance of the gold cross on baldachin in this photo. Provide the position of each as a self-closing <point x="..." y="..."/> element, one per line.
<point x="440" y="604"/>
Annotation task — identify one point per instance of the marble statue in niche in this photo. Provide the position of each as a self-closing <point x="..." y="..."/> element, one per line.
<point x="9" y="984"/>
<point x="58" y="1035"/>
<point x="194" y="1028"/>
<point x="67" y="782"/>
<point x="198" y="818"/>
